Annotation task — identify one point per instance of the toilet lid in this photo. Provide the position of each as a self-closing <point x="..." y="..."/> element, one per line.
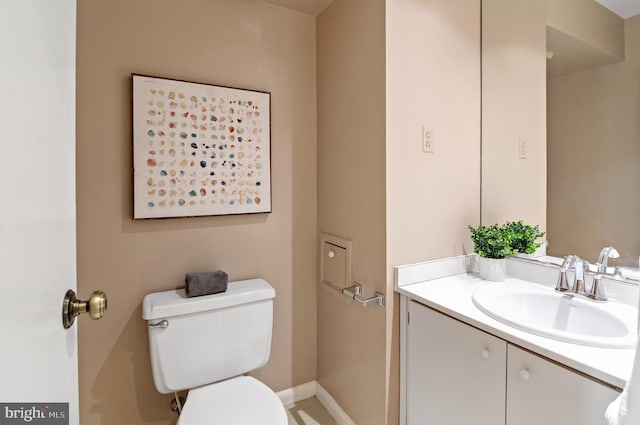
<point x="238" y="401"/>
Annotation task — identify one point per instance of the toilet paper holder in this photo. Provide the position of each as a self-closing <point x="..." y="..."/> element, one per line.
<point x="355" y="293"/>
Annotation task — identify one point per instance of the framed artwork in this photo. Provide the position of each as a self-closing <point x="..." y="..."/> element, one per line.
<point x="199" y="149"/>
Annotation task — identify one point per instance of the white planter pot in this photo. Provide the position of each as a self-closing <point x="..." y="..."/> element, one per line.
<point x="493" y="269"/>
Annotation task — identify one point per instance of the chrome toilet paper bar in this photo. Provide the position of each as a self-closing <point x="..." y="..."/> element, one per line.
<point x="355" y="293"/>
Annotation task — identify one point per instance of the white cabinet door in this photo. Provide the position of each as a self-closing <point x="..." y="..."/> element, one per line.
<point x="541" y="392"/>
<point x="455" y="373"/>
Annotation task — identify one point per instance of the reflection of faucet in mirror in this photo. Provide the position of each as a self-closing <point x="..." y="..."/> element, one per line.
<point x="626" y="272"/>
<point x="606" y="253"/>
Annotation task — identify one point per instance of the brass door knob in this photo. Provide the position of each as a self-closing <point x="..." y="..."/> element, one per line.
<point x="96" y="305"/>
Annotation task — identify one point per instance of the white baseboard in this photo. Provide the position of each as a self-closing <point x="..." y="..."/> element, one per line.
<point x="297" y="393"/>
<point x="310" y="389"/>
<point x="332" y="406"/>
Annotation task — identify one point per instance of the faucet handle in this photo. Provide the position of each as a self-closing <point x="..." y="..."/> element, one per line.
<point x="596" y="292"/>
<point x="563" y="285"/>
<point x="578" y="284"/>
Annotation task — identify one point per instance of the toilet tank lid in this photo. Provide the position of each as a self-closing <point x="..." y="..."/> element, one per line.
<point x="162" y="305"/>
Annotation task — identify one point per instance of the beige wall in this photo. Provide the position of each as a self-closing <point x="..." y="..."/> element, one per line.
<point x="351" y="200"/>
<point x="433" y="80"/>
<point x="406" y="63"/>
<point x="369" y="111"/>
<point x="513" y="108"/>
<point x="594" y="157"/>
<point x="241" y="43"/>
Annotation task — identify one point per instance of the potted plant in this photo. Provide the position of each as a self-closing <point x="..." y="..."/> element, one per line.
<point x="495" y="243"/>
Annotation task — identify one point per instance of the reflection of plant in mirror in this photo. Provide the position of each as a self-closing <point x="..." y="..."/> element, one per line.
<point x="511" y="238"/>
<point x="523" y="237"/>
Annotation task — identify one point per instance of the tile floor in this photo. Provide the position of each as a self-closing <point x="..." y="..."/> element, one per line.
<point x="309" y="412"/>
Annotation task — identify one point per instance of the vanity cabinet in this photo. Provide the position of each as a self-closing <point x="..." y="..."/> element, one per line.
<point x="541" y="392"/>
<point x="457" y="374"/>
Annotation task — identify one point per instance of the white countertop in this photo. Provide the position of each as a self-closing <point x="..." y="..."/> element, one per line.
<point x="452" y="295"/>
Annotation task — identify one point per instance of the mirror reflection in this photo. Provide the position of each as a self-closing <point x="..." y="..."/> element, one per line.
<point x="578" y="173"/>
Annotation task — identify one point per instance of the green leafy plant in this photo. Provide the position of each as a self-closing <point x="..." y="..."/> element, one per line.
<point x="500" y="241"/>
<point x="491" y="241"/>
<point x="523" y="237"/>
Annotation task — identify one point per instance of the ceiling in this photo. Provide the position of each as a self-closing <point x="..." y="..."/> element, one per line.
<point x="623" y="8"/>
<point x="310" y="7"/>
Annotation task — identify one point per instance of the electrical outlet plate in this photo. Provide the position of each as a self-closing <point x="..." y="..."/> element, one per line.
<point x="427" y="140"/>
<point x="522" y="148"/>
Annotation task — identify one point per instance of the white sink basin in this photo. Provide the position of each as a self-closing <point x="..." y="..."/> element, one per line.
<point x="542" y="311"/>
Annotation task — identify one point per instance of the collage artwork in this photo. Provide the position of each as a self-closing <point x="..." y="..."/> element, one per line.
<point x="199" y="149"/>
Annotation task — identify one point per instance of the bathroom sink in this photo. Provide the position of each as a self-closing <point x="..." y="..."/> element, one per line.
<point x="542" y="311"/>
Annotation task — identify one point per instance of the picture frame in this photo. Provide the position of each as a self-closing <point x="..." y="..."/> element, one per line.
<point x="199" y="149"/>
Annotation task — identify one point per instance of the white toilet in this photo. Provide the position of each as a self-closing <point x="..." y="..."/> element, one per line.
<point x="205" y="344"/>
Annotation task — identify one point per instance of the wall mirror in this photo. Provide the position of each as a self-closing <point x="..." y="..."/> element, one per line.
<point x="561" y="123"/>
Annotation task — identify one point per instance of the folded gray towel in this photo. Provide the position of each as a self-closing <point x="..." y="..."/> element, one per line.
<point x="206" y="283"/>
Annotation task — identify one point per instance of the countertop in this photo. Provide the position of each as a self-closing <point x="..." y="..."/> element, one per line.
<point x="451" y="295"/>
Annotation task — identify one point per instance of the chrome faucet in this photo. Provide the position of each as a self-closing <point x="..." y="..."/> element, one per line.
<point x="606" y="253"/>
<point x="578" y="265"/>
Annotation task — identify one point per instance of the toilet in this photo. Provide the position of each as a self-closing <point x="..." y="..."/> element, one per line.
<point x="205" y="345"/>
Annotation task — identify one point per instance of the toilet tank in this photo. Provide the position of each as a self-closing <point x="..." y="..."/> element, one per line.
<point x="210" y="338"/>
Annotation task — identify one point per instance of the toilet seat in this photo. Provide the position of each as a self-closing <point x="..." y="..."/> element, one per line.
<point x="238" y="401"/>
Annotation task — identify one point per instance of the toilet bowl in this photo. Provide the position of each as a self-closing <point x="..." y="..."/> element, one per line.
<point x="237" y="401"/>
<point x="206" y="345"/>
